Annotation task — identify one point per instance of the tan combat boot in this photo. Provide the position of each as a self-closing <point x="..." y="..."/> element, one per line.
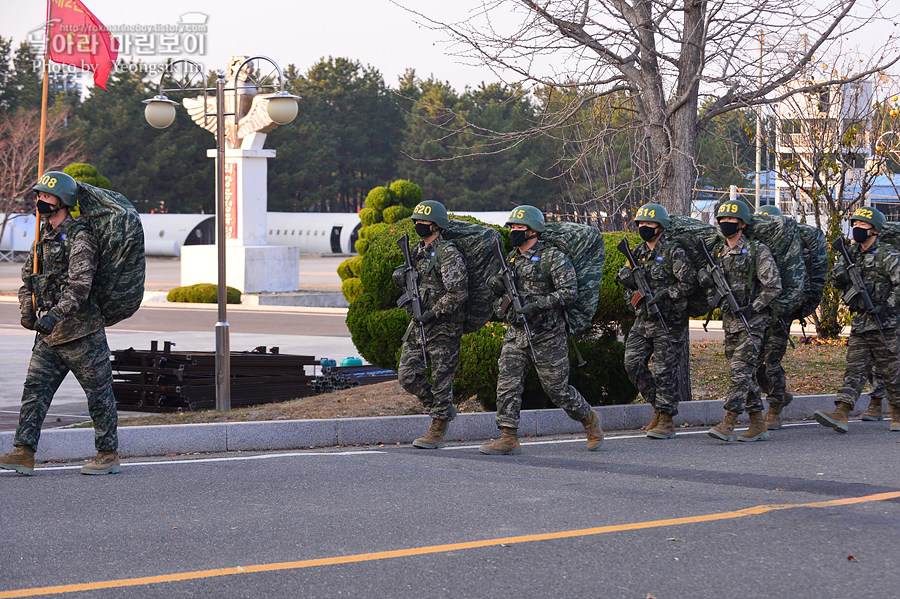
<point x="757" y="431"/>
<point x="507" y="444"/>
<point x="593" y="431"/>
<point x="838" y="420"/>
<point x="773" y="417"/>
<point x="873" y="413"/>
<point x="21" y="460"/>
<point x="106" y="462"/>
<point x="895" y="418"/>
<point x="653" y="421"/>
<point x="725" y="429"/>
<point x="434" y="438"/>
<point x="664" y="429"/>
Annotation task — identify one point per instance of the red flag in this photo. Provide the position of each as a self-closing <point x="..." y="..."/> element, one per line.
<point x="76" y="37"/>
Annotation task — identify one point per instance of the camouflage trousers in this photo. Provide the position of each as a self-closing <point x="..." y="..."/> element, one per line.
<point x="88" y="359"/>
<point x="865" y="352"/>
<point x="443" y="357"/>
<point x="770" y="374"/>
<point x="552" y="368"/>
<point x="661" y="387"/>
<point x="743" y="360"/>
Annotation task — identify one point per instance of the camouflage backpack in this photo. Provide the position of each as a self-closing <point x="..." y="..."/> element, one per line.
<point x="476" y="244"/>
<point x="119" y="282"/>
<point x="586" y="249"/>
<point x="890" y="234"/>
<point x="815" y="258"/>
<point x="781" y="236"/>
<point x="685" y="231"/>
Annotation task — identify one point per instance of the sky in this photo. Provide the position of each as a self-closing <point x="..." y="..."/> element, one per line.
<point x="375" y="32"/>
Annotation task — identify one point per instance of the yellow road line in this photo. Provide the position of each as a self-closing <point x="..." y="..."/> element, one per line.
<point x="381" y="555"/>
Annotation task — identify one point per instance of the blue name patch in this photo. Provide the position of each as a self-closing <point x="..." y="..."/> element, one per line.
<point x="744" y="251"/>
<point x="432" y="254"/>
<point x="659" y="258"/>
<point x="535" y="258"/>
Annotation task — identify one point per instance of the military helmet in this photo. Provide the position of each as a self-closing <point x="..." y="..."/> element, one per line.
<point x="432" y="212"/>
<point x="61" y="185"/>
<point x="736" y="209"/>
<point x="653" y="213"/>
<point x="770" y="209"/>
<point x="870" y="215"/>
<point x="529" y="216"/>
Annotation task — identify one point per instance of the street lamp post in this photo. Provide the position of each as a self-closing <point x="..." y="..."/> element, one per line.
<point x="160" y="113"/>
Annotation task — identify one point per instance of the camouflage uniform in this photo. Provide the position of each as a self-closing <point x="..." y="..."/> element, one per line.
<point x="67" y="260"/>
<point x="770" y="374"/>
<point x="667" y="267"/>
<point x="755" y="281"/>
<point x="880" y="266"/>
<point x="544" y="275"/>
<point x="443" y="286"/>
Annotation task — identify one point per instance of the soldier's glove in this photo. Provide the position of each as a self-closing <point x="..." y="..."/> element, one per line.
<point x="879" y="311"/>
<point x="426" y="318"/>
<point x="745" y="311"/>
<point x="28" y="319"/>
<point x="45" y="324"/>
<point x="626" y="278"/>
<point x="496" y="285"/>
<point x="856" y="303"/>
<point x="704" y="278"/>
<point x="530" y="310"/>
<point x="398" y="276"/>
<point x="658" y="297"/>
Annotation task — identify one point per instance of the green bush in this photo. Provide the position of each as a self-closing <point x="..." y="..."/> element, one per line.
<point x="87" y="173"/>
<point x="349" y="267"/>
<point x="408" y="194"/>
<point x="380" y="260"/>
<point x="361" y="245"/>
<point x="373" y="230"/>
<point x="379" y="199"/>
<point x="393" y="214"/>
<point x="377" y="334"/>
<point x="612" y="309"/>
<point x="352" y="288"/>
<point x="477" y="372"/>
<point x="203" y="293"/>
<point x="369" y="216"/>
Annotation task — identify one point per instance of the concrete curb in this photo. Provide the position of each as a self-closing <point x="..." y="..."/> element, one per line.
<point x="145" y="441"/>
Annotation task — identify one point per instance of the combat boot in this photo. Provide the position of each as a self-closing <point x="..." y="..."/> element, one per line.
<point x="507" y="444"/>
<point x="757" y="431"/>
<point x="725" y="429"/>
<point x="773" y="416"/>
<point x="664" y="429"/>
<point x="593" y="431"/>
<point x="21" y="460"/>
<point x="434" y="438"/>
<point x="106" y="462"/>
<point x="838" y="420"/>
<point x="653" y="421"/>
<point x="874" y="412"/>
<point x="895" y="418"/>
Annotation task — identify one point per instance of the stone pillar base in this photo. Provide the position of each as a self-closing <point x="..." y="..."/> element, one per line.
<point x="252" y="269"/>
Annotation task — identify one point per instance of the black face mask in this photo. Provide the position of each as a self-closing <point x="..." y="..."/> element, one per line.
<point x="729" y="229"/>
<point x="518" y="238"/>
<point x="423" y="230"/>
<point x="648" y="233"/>
<point x="860" y="235"/>
<point x="45" y="208"/>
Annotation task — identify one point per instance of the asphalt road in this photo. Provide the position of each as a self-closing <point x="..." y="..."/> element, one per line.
<point x="691" y="517"/>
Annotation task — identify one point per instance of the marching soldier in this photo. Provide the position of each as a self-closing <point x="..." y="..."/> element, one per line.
<point x="874" y="340"/>
<point x="70" y="327"/>
<point x="672" y="278"/>
<point x="443" y="286"/>
<point x="753" y="276"/>
<point x="546" y="283"/>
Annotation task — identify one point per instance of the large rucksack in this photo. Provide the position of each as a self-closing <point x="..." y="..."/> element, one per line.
<point x="686" y="231"/>
<point x="781" y="236"/>
<point x="815" y="258"/>
<point x="119" y="281"/>
<point x="586" y="249"/>
<point x="476" y="244"/>
<point x="890" y="234"/>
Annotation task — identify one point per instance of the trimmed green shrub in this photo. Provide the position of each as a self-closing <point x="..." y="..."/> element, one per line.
<point x="369" y="216"/>
<point x="393" y="214"/>
<point x="343" y="269"/>
<point x="379" y="199"/>
<point x="612" y="309"/>
<point x="377" y="334"/>
<point x="352" y="288"/>
<point x="380" y="260"/>
<point x="355" y="265"/>
<point x="87" y="173"/>
<point x="203" y="293"/>
<point x="408" y="193"/>
<point x="361" y="245"/>
<point x="477" y="372"/>
<point x="373" y="230"/>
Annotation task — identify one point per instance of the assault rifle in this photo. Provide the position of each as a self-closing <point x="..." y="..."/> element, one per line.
<point x="787" y="329"/>
<point x="512" y="295"/>
<point x="723" y="291"/>
<point x="859" y="285"/>
<point x="643" y="287"/>
<point x="411" y="296"/>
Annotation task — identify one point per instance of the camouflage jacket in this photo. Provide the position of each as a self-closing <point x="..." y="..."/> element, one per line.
<point x="443" y="281"/>
<point x="667" y="266"/>
<point x="880" y="266"/>
<point x="67" y="262"/>
<point x="544" y="275"/>
<point x="753" y="275"/>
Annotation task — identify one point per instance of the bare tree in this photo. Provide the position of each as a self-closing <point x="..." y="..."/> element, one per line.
<point x="666" y="57"/>
<point x="19" y="149"/>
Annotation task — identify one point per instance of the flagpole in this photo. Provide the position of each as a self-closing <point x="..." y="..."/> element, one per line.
<point x="43" y="139"/>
